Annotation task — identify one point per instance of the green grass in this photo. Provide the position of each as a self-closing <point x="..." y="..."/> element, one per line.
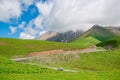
<point x="97" y="61"/>
<point x="63" y="76"/>
<point x="86" y="42"/>
<point x="10" y="70"/>
<point x="17" y="47"/>
<point x="7" y="67"/>
<point x="94" y="61"/>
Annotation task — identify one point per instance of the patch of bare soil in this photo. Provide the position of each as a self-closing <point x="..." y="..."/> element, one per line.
<point x="92" y="49"/>
<point x="46" y="53"/>
<point x="3" y="43"/>
<point x="43" y="53"/>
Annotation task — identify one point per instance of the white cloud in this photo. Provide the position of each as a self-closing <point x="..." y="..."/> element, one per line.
<point x="30" y="31"/>
<point x="42" y="32"/>
<point x="38" y="22"/>
<point x="74" y="14"/>
<point x="22" y="25"/>
<point x="9" y="9"/>
<point x="24" y="35"/>
<point x="13" y="29"/>
<point x="44" y="8"/>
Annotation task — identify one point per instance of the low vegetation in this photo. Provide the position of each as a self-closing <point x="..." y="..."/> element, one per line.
<point x="94" y="66"/>
<point x="113" y="43"/>
<point x="17" y="47"/>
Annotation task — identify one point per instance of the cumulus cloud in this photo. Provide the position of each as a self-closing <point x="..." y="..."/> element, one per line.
<point x="13" y="29"/>
<point x="9" y="9"/>
<point x="38" y="22"/>
<point x="44" y="8"/>
<point x="24" y="35"/>
<point x="28" y="31"/>
<point x="32" y="30"/>
<point x="81" y="14"/>
<point x="22" y="25"/>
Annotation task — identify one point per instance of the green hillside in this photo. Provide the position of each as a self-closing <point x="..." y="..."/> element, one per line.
<point x="15" y="47"/>
<point x="85" y="42"/>
<point x="94" y="66"/>
<point x="99" y="33"/>
<point x="113" y="43"/>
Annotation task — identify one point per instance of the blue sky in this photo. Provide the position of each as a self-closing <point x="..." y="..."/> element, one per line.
<point x="28" y="13"/>
<point x="28" y="19"/>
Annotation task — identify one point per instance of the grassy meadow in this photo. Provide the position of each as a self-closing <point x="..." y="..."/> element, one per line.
<point x="94" y="66"/>
<point x="103" y="65"/>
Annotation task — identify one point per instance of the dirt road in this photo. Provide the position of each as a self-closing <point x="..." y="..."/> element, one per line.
<point x="45" y="53"/>
<point x="87" y="50"/>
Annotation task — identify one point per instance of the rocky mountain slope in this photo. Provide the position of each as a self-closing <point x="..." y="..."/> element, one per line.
<point x="60" y="37"/>
<point x="113" y="29"/>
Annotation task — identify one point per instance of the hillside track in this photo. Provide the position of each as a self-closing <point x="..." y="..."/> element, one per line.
<point x="45" y="53"/>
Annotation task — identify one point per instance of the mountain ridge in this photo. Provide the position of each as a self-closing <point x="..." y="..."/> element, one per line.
<point x="99" y="33"/>
<point x="60" y="37"/>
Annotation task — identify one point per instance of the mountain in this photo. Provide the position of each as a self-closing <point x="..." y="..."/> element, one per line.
<point x="47" y="35"/>
<point x="99" y="33"/>
<point x="60" y="37"/>
<point x="113" y="29"/>
<point x="111" y="44"/>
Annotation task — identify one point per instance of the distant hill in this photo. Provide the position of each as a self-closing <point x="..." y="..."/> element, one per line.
<point x="111" y="44"/>
<point x="86" y="42"/>
<point x="113" y="29"/>
<point x="99" y="33"/>
<point x="60" y="37"/>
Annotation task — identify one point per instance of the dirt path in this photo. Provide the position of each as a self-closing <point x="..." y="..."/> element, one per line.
<point x="45" y="53"/>
<point x="87" y="50"/>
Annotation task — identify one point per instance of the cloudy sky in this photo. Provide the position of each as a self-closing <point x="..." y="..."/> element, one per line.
<point x="28" y="19"/>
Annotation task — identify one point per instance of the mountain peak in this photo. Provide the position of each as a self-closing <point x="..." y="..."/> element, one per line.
<point x="99" y="33"/>
<point x="96" y="26"/>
